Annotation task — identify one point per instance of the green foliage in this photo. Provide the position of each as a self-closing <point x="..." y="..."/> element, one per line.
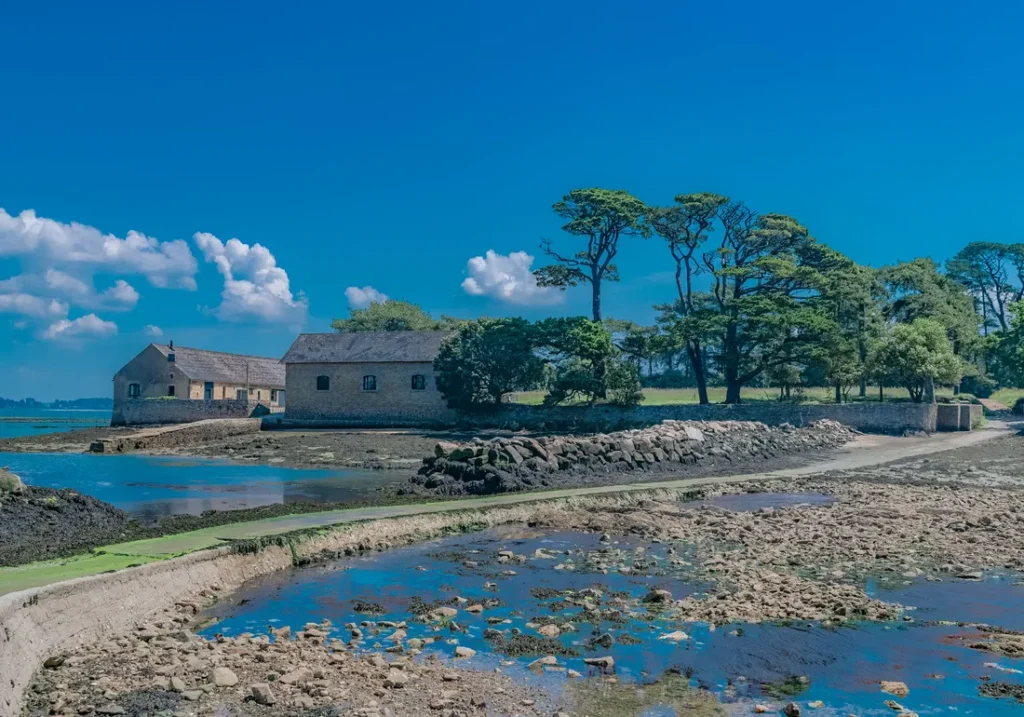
<point x="1004" y="350"/>
<point x="601" y="217"/>
<point x="581" y="351"/>
<point x="485" y="360"/>
<point x="917" y="355"/>
<point x="918" y="291"/>
<point x="623" y="384"/>
<point x="993" y="273"/>
<point x="388" y="315"/>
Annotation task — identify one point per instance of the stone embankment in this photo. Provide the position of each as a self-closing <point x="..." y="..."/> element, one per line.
<point x="176" y="436"/>
<point x="503" y="465"/>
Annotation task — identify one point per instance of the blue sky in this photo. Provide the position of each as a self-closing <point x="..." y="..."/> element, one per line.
<point x="386" y="145"/>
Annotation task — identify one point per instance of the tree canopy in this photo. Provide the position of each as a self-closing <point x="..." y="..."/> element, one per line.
<point x="388" y="315"/>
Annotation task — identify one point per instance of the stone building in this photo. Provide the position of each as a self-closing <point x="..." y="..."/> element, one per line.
<point x="365" y="378"/>
<point x="193" y="384"/>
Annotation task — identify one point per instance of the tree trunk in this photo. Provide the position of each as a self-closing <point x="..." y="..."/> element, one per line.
<point x="789" y="394"/>
<point x="732" y="366"/>
<point x="595" y="306"/>
<point x="881" y="393"/>
<point x="839" y="393"/>
<point x="697" y="362"/>
<point x="929" y="390"/>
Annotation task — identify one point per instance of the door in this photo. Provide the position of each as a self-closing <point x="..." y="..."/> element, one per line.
<point x="208" y="390"/>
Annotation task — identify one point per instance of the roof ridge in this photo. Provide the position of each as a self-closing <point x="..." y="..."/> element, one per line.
<point x="219" y="353"/>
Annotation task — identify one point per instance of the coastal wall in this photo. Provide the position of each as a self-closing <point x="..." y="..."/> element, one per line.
<point x="145" y="412"/>
<point x="867" y="417"/>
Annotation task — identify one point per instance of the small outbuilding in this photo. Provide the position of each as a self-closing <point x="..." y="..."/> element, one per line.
<point x="165" y="383"/>
<point x="365" y="378"/>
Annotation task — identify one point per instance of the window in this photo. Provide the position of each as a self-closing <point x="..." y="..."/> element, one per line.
<point x="273" y="395"/>
<point x="134" y="390"/>
<point x="170" y="390"/>
<point x="323" y="383"/>
<point x="369" y="383"/>
<point x="223" y="391"/>
<point x="170" y="358"/>
<point x="419" y="382"/>
<point x="259" y="395"/>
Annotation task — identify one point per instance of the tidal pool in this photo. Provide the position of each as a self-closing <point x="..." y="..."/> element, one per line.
<point x="152" y="487"/>
<point x="743" y="664"/>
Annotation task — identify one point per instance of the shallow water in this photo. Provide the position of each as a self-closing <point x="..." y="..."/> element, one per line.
<point x="748" y="502"/>
<point x="154" y="487"/>
<point x="843" y="665"/>
<point x="15" y="424"/>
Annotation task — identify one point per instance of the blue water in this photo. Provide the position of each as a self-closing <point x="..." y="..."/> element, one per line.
<point x="843" y="665"/>
<point x="22" y="422"/>
<point x="154" y="487"/>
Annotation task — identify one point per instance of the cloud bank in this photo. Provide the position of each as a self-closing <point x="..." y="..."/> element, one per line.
<point x="508" y="279"/>
<point x="361" y="298"/>
<point x="88" y="326"/>
<point x="262" y="291"/>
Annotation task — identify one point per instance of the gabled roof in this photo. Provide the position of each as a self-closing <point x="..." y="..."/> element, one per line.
<point x="203" y="365"/>
<point x="366" y="347"/>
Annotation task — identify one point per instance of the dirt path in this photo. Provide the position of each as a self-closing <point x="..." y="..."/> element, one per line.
<point x="865" y="452"/>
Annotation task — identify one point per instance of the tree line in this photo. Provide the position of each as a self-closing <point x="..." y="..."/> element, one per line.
<point x="757" y="300"/>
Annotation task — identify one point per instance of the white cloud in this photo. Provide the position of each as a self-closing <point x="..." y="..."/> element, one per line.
<point x="153" y="330"/>
<point x="47" y="242"/>
<point x="122" y="296"/>
<point x="361" y="298"/>
<point x="262" y="293"/>
<point x="35" y="307"/>
<point x="509" y="279"/>
<point x="88" y="326"/>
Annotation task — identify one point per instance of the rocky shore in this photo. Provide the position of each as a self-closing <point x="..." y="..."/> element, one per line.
<point x="518" y="463"/>
<point x="163" y="668"/>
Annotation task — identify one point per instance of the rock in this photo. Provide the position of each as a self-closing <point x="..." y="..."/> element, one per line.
<point x="303" y="674"/>
<point x="192" y="695"/>
<point x="791" y="710"/>
<point x="461" y="651"/>
<point x="445" y="611"/>
<point x="224" y="677"/>
<point x="443" y="449"/>
<point x="549" y="630"/>
<point x="261" y="694"/>
<point x="178" y="684"/>
<point x="54" y="662"/>
<point x="896" y="689"/>
<point x="396" y="679"/>
<point x="658" y="597"/>
<point x="677" y="636"/>
<point x="542" y="661"/>
<point x="110" y="709"/>
<point x="762" y="709"/>
<point x="10" y="483"/>
<point x="605" y="663"/>
<point x="477" y="609"/>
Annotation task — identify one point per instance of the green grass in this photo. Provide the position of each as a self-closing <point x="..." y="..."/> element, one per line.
<point x="1007" y="396"/>
<point x="36" y="575"/>
<point x="716" y="394"/>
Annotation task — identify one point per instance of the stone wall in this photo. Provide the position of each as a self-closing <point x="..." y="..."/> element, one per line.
<point x="868" y="417"/>
<point x="393" y="403"/>
<point x="142" y="411"/>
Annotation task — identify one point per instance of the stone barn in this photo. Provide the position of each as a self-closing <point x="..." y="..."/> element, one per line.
<point x="365" y="378"/>
<point x="165" y="383"/>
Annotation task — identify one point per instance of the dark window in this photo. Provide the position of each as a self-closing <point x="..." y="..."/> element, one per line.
<point x="134" y="390"/>
<point x="259" y="395"/>
<point x="419" y="382"/>
<point x="273" y="395"/>
<point x="170" y="390"/>
<point x="170" y="358"/>
<point x="369" y="383"/>
<point x="323" y="383"/>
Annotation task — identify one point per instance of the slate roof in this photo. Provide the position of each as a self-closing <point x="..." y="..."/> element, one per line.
<point x="203" y="365"/>
<point x="366" y="347"/>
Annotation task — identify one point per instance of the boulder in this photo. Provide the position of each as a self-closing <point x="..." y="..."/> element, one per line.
<point x="897" y="689"/>
<point x="10" y="483"/>
<point x="223" y="677"/>
<point x="261" y="694"/>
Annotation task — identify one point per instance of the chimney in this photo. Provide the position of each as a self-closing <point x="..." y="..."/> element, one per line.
<point x="171" y="345"/>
